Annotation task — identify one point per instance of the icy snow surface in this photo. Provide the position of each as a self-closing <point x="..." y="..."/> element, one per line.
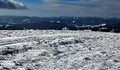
<point x="59" y="50"/>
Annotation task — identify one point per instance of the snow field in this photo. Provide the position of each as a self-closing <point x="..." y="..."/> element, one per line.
<point x="59" y="50"/>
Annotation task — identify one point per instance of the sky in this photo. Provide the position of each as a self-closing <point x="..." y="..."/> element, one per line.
<point x="47" y="8"/>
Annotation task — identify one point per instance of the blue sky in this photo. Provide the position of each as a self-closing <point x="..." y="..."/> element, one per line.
<point x="102" y="8"/>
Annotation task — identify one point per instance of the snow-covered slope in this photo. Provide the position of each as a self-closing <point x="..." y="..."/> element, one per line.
<point x="59" y="50"/>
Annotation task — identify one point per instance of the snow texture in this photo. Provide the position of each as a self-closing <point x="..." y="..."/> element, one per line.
<point x="59" y="50"/>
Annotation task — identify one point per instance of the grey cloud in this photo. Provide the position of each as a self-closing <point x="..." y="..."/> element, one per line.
<point x="12" y="4"/>
<point x="78" y="4"/>
<point x="92" y="7"/>
<point x="87" y="3"/>
<point x="74" y="3"/>
<point x="49" y="0"/>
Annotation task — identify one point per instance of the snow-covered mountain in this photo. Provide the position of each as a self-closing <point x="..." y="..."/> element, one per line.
<point x="59" y="50"/>
<point x="73" y="23"/>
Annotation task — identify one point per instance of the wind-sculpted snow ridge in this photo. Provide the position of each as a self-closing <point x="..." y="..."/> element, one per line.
<point x="59" y="50"/>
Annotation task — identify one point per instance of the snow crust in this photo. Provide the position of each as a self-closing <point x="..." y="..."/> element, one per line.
<point x="59" y="50"/>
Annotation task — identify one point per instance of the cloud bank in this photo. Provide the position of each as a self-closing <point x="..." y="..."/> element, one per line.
<point x="88" y="7"/>
<point x="11" y="4"/>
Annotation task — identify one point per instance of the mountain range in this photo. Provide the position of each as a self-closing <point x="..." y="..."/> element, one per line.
<point x="58" y="23"/>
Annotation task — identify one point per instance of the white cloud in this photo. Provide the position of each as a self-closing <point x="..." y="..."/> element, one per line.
<point x="11" y="4"/>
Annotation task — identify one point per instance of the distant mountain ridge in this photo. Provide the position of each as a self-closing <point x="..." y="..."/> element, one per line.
<point x="72" y="23"/>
